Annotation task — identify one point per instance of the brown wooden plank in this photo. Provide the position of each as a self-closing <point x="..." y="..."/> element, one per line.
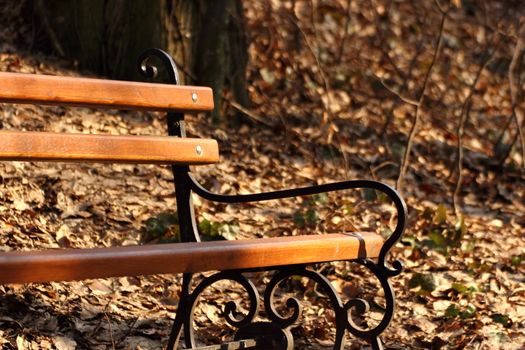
<point x="75" y="264"/>
<point x="45" y="146"/>
<point x="86" y="92"/>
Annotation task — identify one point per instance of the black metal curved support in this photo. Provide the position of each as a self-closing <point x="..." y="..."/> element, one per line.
<point x="150" y="71"/>
<point x="185" y="211"/>
<point x="344" y="315"/>
<point x="185" y="314"/>
<point x="185" y="184"/>
<point x="382" y="271"/>
<point x="175" y="124"/>
<point x="337" y="186"/>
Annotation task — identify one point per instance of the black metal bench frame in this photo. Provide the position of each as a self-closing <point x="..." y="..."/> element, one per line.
<point x="274" y="333"/>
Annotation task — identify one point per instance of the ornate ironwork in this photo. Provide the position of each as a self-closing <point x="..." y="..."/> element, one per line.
<point x="275" y="333"/>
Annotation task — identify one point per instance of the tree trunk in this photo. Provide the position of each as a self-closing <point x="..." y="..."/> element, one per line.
<point x="221" y="50"/>
<point x="206" y="38"/>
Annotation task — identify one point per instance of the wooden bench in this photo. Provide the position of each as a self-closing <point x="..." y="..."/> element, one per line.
<point x="287" y="255"/>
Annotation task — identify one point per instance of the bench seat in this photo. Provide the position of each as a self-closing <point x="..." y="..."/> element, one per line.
<point x="76" y="264"/>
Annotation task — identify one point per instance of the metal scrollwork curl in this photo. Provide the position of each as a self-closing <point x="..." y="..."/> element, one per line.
<point x="150" y="71"/>
<point x="230" y="307"/>
<point x="361" y="306"/>
<point x="322" y="282"/>
<point x="344" y="312"/>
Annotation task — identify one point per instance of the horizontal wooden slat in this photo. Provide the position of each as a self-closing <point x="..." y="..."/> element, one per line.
<point x="45" y="146"/>
<point x="85" y="92"/>
<point x="76" y="264"/>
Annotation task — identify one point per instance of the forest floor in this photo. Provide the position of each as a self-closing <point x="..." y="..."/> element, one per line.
<point x="330" y="104"/>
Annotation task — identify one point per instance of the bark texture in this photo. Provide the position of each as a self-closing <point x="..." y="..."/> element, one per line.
<point x="206" y="38"/>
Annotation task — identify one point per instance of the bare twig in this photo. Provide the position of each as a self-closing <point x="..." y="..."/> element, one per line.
<point x="464" y="116"/>
<point x="48" y="28"/>
<point x="398" y="94"/>
<point x="326" y="105"/>
<point x="403" y="89"/>
<point x="384" y="43"/>
<point x="345" y="33"/>
<point x="419" y="105"/>
<point x="514" y="73"/>
<point x="110" y="330"/>
<point x="250" y="114"/>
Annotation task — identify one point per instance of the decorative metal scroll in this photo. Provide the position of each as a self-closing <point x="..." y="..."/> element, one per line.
<point x="276" y="329"/>
<point x="273" y="333"/>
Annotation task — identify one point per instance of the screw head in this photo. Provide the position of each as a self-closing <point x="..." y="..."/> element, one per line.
<point x="194" y="97"/>
<point x="198" y="149"/>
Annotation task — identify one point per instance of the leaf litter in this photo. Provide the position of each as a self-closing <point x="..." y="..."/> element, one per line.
<point x="463" y="285"/>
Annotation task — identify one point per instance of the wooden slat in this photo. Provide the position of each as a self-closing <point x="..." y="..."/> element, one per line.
<point x="85" y="92"/>
<point x="75" y="264"/>
<point x="44" y="146"/>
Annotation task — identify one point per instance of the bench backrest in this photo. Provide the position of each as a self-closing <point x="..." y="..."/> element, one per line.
<point x="99" y="93"/>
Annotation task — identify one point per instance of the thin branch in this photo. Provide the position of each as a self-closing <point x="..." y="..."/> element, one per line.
<point x="403" y="89"/>
<point x="48" y="28"/>
<point x="110" y="330"/>
<point x="318" y="63"/>
<point x="419" y="105"/>
<point x="250" y="114"/>
<point x="384" y="43"/>
<point x="514" y="72"/>
<point x="345" y="33"/>
<point x="464" y="116"/>
<point x="398" y="94"/>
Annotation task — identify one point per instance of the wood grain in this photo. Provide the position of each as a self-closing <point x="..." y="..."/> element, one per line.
<point x="86" y="92"/>
<point x="45" y="146"/>
<point x="75" y="264"/>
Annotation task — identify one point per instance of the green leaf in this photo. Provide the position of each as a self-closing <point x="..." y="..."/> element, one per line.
<point x="516" y="260"/>
<point x="452" y="311"/>
<point x="369" y="194"/>
<point x="410" y="241"/>
<point x="213" y="231"/>
<point x="229" y="230"/>
<point x="299" y="219"/>
<point x="438" y="240"/>
<point x="348" y="208"/>
<point x="163" y="227"/>
<point x="463" y="289"/>
<point x="320" y="198"/>
<point x="425" y="281"/>
<point x="306" y="218"/>
<point x="311" y="217"/>
<point x="502" y="319"/>
<point x="205" y="227"/>
<point x="440" y="217"/>
<point x="469" y="312"/>
<point x="460" y="230"/>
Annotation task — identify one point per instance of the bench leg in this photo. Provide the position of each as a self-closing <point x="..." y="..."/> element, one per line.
<point x="275" y="334"/>
<point x="182" y="312"/>
<point x="184" y="318"/>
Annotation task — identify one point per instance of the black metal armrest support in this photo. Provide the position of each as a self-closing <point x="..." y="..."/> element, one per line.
<point x="331" y="187"/>
<point x="344" y="318"/>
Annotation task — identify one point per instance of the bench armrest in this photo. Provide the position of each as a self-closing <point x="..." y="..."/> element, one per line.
<point x="399" y="203"/>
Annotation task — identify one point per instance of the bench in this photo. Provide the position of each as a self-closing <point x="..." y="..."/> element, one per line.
<point x="228" y="260"/>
